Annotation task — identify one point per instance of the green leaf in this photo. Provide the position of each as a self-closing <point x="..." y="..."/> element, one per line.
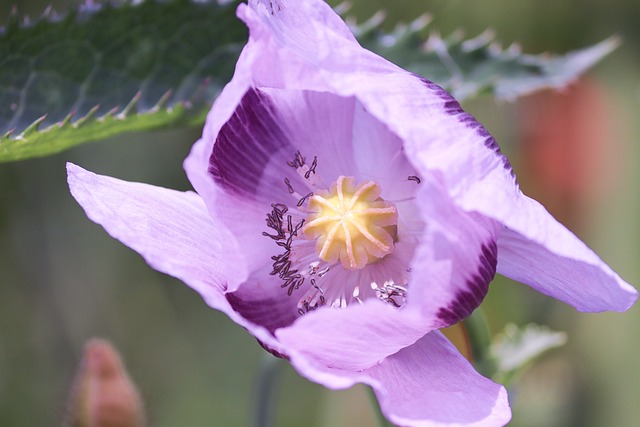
<point x="101" y="71"/>
<point x="515" y="348"/>
<point x="468" y="68"/>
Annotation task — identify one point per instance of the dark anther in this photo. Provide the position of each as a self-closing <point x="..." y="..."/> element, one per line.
<point x="280" y="208"/>
<point x="289" y="186"/>
<point x="304" y="199"/>
<point x="297" y="227"/>
<point x="293" y="282"/>
<point x="288" y="283"/>
<point x="286" y="269"/>
<point x="274" y="221"/>
<point x="289" y="241"/>
<point x="278" y="5"/>
<point x="264" y="233"/>
<point x="414" y="179"/>
<point x="312" y="169"/>
<point x="283" y="237"/>
<point x="298" y="161"/>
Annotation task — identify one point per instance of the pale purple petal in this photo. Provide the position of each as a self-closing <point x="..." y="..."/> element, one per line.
<point x="197" y="164"/>
<point x="346" y="139"/>
<point x="171" y="230"/>
<point x="318" y="124"/>
<point x="422" y="114"/>
<point x="426" y="384"/>
<point x="455" y="261"/>
<point x="431" y="384"/>
<point x="544" y="254"/>
<point x="533" y="247"/>
<point x="353" y="339"/>
<point x="439" y="137"/>
<point x="253" y="147"/>
<point x="240" y="186"/>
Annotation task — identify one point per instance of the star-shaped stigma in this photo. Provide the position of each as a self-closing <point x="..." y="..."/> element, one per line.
<point x="351" y="224"/>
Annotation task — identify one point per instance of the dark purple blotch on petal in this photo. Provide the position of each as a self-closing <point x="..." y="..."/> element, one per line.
<point x="270" y="313"/>
<point x="275" y="352"/>
<point x="452" y="107"/>
<point x="477" y="287"/>
<point x="245" y="144"/>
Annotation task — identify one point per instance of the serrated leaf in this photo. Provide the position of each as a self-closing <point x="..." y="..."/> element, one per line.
<point x="515" y="348"/>
<point x="102" y="70"/>
<point x="65" y="134"/>
<point x="467" y="68"/>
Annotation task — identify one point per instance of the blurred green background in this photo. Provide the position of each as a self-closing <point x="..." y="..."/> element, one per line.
<point x="63" y="280"/>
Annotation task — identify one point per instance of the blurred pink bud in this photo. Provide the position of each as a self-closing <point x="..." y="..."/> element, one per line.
<point x="103" y="395"/>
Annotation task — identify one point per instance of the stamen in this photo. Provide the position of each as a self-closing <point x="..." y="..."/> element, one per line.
<point x="312" y="169"/>
<point x="308" y="173"/>
<point x="391" y="293"/>
<point x="298" y="161"/>
<point x="282" y="263"/>
<point x="277" y="6"/>
<point x="289" y="186"/>
<point x="304" y="199"/>
<point x="346" y="229"/>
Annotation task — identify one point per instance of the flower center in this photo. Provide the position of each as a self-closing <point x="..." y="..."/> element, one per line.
<point x="351" y="223"/>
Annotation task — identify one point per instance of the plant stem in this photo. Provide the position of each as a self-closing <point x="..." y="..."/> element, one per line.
<point x="479" y="335"/>
<point x="265" y="394"/>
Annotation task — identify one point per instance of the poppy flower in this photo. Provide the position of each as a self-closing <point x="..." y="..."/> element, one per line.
<point x="345" y="211"/>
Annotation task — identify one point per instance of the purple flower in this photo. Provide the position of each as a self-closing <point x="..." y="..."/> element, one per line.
<point x="345" y="211"/>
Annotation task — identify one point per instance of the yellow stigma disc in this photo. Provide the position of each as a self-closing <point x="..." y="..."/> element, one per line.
<point x="351" y="224"/>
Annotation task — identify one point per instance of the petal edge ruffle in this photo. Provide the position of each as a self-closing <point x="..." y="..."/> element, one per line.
<point x="544" y="254"/>
<point x="170" y="229"/>
<point x="426" y="384"/>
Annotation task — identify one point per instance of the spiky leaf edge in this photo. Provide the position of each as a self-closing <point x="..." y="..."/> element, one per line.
<point x="559" y="71"/>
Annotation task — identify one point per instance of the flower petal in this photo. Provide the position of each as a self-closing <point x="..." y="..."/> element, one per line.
<point x="430" y="384"/>
<point x="533" y="247"/>
<point x="317" y="56"/>
<point x="455" y="261"/>
<point x="542" y="253"/>
<point x="351" y="339"/>
<point x="346" y="139"/>
<point x="248" y="142"/>
<point x="425" y="384"/>
<point x="170" y="229"/>
<point x="289" y="52"/>
<point x="262" y="301"/>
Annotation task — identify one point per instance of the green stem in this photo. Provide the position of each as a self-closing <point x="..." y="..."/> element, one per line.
<point x="265" y="397"/>
<point x="382" y="421"/>
<point x="479" y="334"/>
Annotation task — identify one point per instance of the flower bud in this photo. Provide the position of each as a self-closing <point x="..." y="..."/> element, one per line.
<point x="103" y="395"/>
